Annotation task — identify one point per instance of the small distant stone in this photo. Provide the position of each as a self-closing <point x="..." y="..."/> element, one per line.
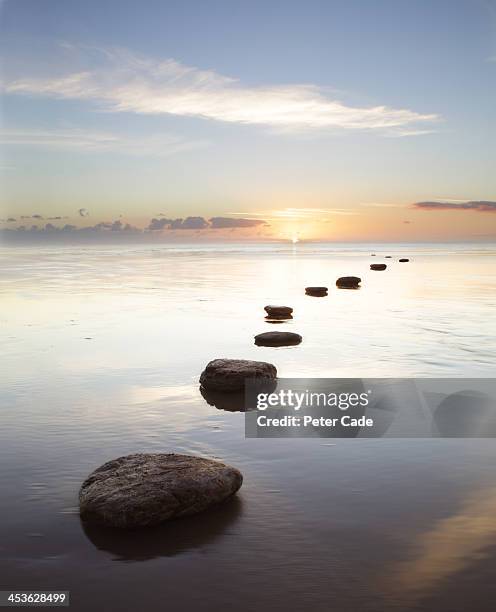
<point x="348" y="282"/>
<point x="388" y="256"/>
<point x="279" y="312"/>
<point x="378" y="266"/>
<point x="230" y="374"/>
<point x="142" y="490"/>
<point x="316" y="291"/>
<point x="373" y="255"/>
<point x="404" y="260"/>
<point x="277" y="338"/>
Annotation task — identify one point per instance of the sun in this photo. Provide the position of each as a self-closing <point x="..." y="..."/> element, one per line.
<point x="295" y="239"/>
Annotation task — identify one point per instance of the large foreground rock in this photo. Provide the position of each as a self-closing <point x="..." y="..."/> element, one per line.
<point x="378" y="266"/>
<point x="348" y="282"/>
<point x="230" y="374"/>
<point x="147" y="489"/>
<point x="279" y="312"/>
<point x="277" y="338"/>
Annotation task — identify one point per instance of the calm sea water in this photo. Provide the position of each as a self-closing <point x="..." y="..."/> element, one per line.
<point x="101" y="353"/>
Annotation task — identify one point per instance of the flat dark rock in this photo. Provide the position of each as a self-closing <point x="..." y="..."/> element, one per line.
<point x="378" y="266"/>
<point x="404" y="260"/>
<point x="277" y="338"/>
<point x="316" y="291"/>
<point x="279" y="312"/>
<point x="143" y="489"/>
<point x="348" y="282"/>
<point x="388" y="256"/>
<point x="230" y="374"/>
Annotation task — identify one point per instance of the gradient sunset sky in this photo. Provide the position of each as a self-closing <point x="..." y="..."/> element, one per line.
<point x="337" y="120"/>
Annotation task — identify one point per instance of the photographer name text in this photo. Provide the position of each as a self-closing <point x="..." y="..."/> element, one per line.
<point x="309" y="421"/>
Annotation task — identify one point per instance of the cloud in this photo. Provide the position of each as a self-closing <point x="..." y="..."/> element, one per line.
<point x="104" y="226"/>
<point x="91" y="141"/>
<point x="126" y="82"/>
<point x="415" y="132"/>
<point x="480" y="206"/>
<point x="159" y="224"/>
<point x="107" y="230"/>
<point x="189" y="223"/>
<point x="226" y="222"/>
<point x="379" y="205"/>
<point x="200" y="223"/>
<point x="313" y="212"/>
<point x="83" y="212"/>
<point x="309" y="214"/>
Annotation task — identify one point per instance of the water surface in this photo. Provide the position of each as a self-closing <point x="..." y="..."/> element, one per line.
<point x="102" y="349"/>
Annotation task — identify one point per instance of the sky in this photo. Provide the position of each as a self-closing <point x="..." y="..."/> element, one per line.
<point x="282" y="120"/>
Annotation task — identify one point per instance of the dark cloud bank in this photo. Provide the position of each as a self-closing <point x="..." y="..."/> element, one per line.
<point x="117" y="230"/>
<point x="480" y="206"/>
<point x="195" y="223"/>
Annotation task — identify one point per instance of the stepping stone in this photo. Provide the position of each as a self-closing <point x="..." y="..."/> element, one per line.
<point x="316" y="291"/>
<point x="348" y="282"/>
<point x="277" y="338"/>
<point x="147" y="489"/>
<point x="378" y="266"/>
<point x="230" y="374"/>
<point x="279" y="312"/>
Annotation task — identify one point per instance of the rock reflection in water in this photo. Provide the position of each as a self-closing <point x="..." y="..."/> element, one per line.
<point x="466" y="414"/>
<point x="234" y="401"/>
<point x="168" y="540"/>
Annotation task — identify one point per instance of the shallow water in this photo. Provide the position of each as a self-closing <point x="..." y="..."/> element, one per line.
<point x="102" y="349"/>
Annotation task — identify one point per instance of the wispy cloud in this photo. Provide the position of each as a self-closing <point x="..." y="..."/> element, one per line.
<point x="480" y="206"/>
<point x="296" y="213"/>
<point x="399" y="132"/>
<point x="378" y="205"/>
<point x="76" y="139"/>
<point x="126" y="82"/>
<point x="226" y="222"/>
